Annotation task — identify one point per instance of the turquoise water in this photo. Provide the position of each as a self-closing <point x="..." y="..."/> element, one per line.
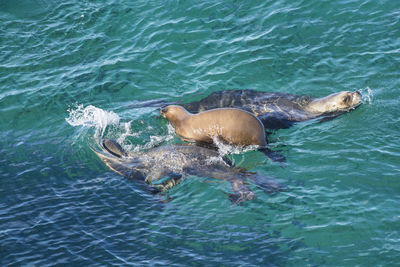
<point x="59" y="204"/>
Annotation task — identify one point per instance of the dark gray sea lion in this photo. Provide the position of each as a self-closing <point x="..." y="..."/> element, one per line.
<point x="163" y="167"/>
<point x="279" y="110"/>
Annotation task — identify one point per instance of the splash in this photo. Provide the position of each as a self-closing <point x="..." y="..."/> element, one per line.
<point x="127" y="132"/>
<point x="226" y="149"/>
<point x="155" y="140"/>
<point x="367" y="95"/>
<point x="216" y="160"/>
<point x="92" y="116"/>
<point x="99" y="119"/>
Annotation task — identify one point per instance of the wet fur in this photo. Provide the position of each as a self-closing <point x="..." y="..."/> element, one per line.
<point x="177" y="162"/>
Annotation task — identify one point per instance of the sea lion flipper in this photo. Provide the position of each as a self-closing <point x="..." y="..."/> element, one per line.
<point x="241" y="196"/>
<point x="272" y="155"/>
<point x="114" y="148"/>
<point x="175" y="179"/>
<point x="241" y="192"/>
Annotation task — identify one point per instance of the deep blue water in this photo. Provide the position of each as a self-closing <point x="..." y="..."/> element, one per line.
<point x="59" y="204"/>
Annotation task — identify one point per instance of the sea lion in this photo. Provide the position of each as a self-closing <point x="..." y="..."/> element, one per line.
<point x="230" y="125"/>
<point x="178" y="161"/>
<point x="280" y="110"/>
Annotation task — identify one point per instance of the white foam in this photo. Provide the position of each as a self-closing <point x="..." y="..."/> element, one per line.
<point x="215" y="160"/>
<point x="226" y="149"/>
<point x="156" y="140"/>
<point x="92" y="116"/>
<point x="127" y="132"/>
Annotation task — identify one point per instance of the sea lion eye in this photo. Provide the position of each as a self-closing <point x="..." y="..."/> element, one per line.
<point x="163" y="110"/>
<point x="346" y="99"/>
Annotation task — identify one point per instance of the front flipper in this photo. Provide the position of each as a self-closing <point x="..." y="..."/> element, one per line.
<point x="174" y="179"/>
<point x="239" y="197"/>
<point x="114" y="148"/>
<point x="241" y="192"/>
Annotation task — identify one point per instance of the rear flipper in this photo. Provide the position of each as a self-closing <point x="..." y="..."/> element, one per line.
<point x="272" y="155"/>
<point x="114" y="148"/>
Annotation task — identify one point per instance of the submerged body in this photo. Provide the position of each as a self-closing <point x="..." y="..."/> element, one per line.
<point x="279" y="110"/>
<point x="231" y="125"/>
<point x="175" y="162"/>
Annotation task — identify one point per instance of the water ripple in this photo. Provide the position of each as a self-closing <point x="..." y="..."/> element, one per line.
<point x="61" y="205"/>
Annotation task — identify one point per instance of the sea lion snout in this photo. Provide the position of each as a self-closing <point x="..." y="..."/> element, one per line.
<point x="174" y="113"/>
<point x="357" y="98"/>
<point x="163" y="110"/>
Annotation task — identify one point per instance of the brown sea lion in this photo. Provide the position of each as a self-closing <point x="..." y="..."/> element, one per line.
<point x="230" y="125"/>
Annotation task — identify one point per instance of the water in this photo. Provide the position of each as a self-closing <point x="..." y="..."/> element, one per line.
<point x="61" y="205"/>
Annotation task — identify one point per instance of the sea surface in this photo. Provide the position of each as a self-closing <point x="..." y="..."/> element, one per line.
<point x="72" y="72"/>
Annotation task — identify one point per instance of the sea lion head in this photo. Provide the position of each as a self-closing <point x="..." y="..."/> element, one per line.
<point x="337" y="102"/>
<point x="174" y="113"/>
